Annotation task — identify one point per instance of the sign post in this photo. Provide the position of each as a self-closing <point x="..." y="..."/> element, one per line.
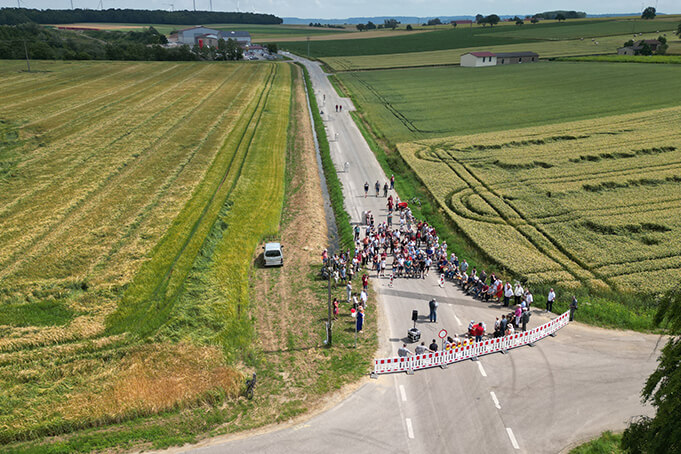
<point x="442" y="334"/>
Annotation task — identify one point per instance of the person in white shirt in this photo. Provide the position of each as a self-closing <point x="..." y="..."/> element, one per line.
<point x="518" y="292"/>
<point x="549" y="301"/>
<point x="508" y="293"/>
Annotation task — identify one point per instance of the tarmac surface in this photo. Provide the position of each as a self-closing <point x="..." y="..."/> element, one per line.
<point x="542" y="399"/>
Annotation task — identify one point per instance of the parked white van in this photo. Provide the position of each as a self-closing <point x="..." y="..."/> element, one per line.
<point x="273" y="254"/>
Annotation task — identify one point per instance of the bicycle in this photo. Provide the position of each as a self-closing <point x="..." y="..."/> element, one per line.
<point x="250" y="387"/>
<point x="415" y="201"/>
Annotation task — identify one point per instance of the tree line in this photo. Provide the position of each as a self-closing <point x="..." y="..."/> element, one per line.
<point x="15" y="16"/>
<point x="44" y="43"/>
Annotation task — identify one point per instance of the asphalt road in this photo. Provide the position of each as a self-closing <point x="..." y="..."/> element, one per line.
<point x="539" y="399"/>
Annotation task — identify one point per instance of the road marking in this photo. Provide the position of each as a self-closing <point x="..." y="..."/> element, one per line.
<point x="410" y="429"/>
<point x="482" y="371"/>
<point x="512" y="437"/>
<point x="494" y="398"/>
<point x="404" y="395"/>
<point x="457" y="320"/>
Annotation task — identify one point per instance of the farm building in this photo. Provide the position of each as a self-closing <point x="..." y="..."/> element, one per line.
<point x="476" y="59"/>
<point x="192" y="35"/>
<point x="207" y="40"/>
<point x="510" y="58"/>
<point x="636" y="49"/>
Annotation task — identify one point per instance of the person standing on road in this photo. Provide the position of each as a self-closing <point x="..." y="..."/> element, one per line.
<point x="378" y="188"/>
<point x="432" y="304"/>
<point x="518" y="292"/>
<point x="392" y="182"/>
<point x="549" y="301"/>
<point x="573" y="308"/>
<point x="349" y="289"/>
<point x="366" y="189"/>
<point x="420" y="349"/>
<point x="525" y="318"/>
<point x="357" y="233"/>
<point x="433" y="346"/>
<point x="403" y="351"/>
<point x="508" y="293"/>
<point x="502" y="325"/>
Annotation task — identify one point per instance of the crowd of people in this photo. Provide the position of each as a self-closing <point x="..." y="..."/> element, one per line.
<point x="410" y="248"/>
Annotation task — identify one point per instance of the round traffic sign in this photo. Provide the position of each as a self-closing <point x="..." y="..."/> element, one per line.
<point x="442" y="333"/>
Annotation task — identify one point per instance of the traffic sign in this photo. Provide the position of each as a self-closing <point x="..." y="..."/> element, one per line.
<point x="442" y="333"/>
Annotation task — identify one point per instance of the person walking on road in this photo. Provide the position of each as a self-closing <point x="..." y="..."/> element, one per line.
<point x="421" y="349"/>
<point x="432" y="304"/>
<point x="549" y="301"/>
<point x="403" y="351"/>
<point x="366" y="189"/>
<point x="573" y="308"/>
<point x="385" y="189"/>
<point x="378" y="188"/>
<point x="392" y="182"/>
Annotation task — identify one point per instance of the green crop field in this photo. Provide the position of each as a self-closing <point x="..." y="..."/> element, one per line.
<point x="127" y="193"/>
<point x="483" y="37"/>
<point x="594" y="202"/>
<point x="409" y="104"/>
<point x="559" y="172"/>
<point x="545" y="49"/>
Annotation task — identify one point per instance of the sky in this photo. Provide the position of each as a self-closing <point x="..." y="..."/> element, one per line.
<point x="339" y="9"/>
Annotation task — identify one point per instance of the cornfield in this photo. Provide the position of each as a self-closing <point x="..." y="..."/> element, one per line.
<point x="595" y="202"/>
<point x="132" y="198"/>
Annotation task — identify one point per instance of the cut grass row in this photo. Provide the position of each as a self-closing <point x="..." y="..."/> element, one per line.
<point x="69" y="373"/>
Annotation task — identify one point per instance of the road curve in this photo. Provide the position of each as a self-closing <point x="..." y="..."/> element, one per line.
<point x="533" y="400"/>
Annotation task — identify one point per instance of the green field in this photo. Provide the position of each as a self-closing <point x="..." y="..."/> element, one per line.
<point x="558" y="172"/>
<point x="127" y="192"/>
<point x="465" y="37"/>
<point x="545" y="49"/>
<point x="410" y="104"/>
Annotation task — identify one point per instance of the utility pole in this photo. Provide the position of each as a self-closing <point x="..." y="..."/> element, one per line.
<point x="308" y="47"/>
<point x="71" y="4"/>
<point x="194" y="5"/>
<point x="211" y="5"/>
<point x="28" y="65"/>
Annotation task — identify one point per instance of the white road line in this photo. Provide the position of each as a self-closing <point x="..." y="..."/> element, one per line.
<point x="482" y="371"/>
<point x="410" y="429"/>
<point x="457" y="320"/>
<point x="512" y="437"/>
<point x="404" y="395"/>
<point x="496" y="401"/>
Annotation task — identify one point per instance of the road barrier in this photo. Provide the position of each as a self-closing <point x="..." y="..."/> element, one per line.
<point x="471" y="351"/>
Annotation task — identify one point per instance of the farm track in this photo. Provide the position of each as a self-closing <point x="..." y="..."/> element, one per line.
<point x="564" y="259"/>
<point x="70" y="161"/>
<point x="110" y="182"/>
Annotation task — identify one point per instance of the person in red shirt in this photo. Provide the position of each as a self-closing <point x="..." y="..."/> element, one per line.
<point x="479" y="331"/>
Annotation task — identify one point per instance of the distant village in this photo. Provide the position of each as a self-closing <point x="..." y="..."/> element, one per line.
<point x="207" y="37"/>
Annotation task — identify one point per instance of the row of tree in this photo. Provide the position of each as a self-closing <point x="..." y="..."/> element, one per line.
<point x="387" y="23"/>
<point x="15" y="16"/>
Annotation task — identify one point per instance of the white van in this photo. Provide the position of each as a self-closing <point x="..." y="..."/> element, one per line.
<point x="273" y="254"/>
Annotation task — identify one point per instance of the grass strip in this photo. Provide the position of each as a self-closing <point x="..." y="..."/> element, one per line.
<point x="607" y="443"/>
<point x="657" y="59"/>
<point x="333" y="184"/>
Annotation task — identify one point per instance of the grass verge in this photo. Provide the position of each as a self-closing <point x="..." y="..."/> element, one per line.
<point x="607" y="443"/>
<point x="658" y="59"/>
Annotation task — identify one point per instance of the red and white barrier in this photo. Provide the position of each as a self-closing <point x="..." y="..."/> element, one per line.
<point x="484" y="347"/>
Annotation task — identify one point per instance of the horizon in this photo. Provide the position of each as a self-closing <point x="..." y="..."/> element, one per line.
<point x="352" y="9"/>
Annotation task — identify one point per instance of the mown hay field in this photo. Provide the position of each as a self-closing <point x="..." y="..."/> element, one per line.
<point x="594" y="202"/>
<point x="419" y="103"/>
<point x="128" y="193"/>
